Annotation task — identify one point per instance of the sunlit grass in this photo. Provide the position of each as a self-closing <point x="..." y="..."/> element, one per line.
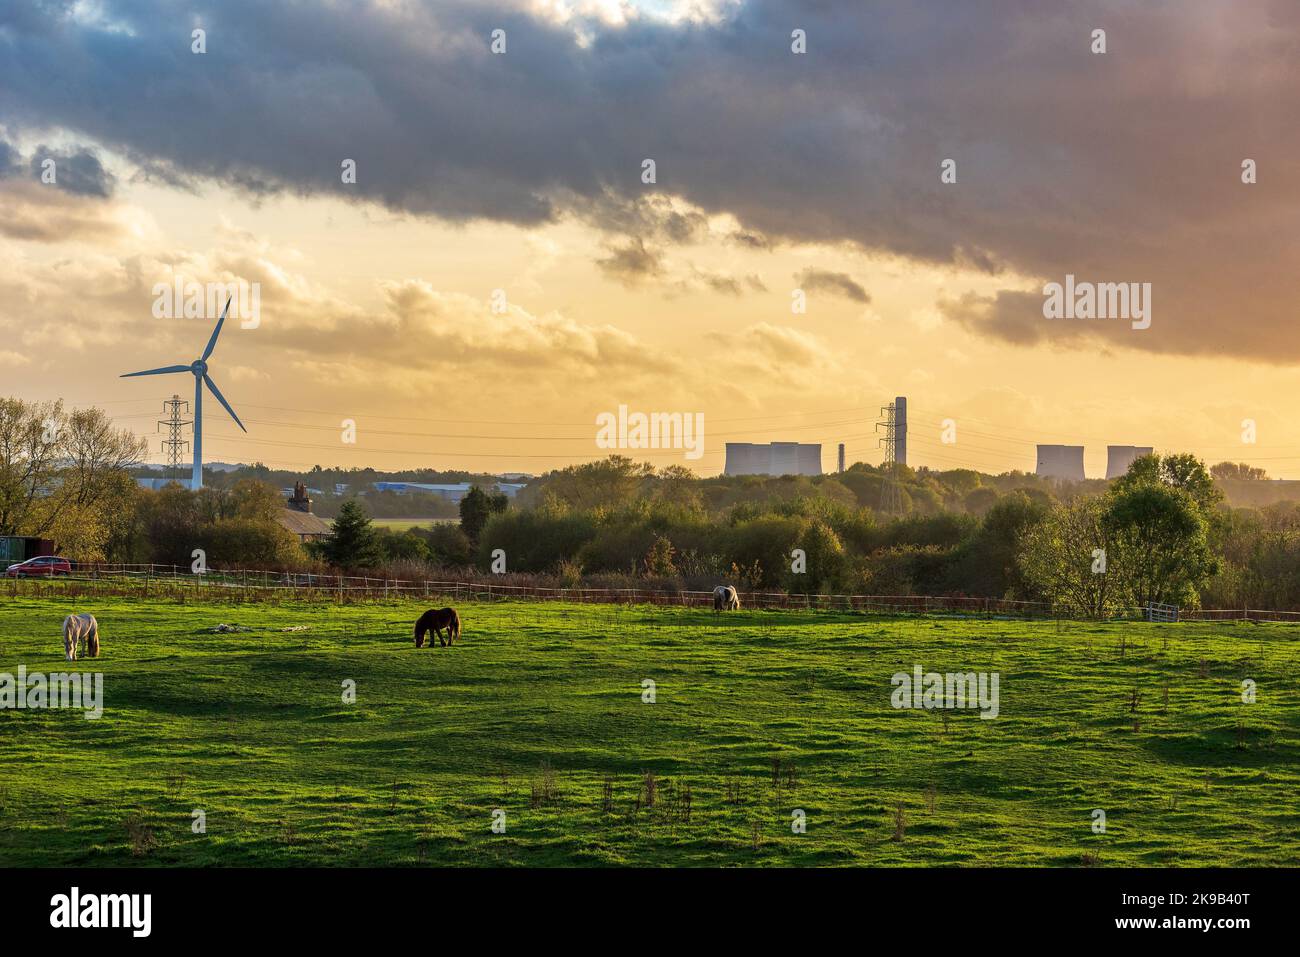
<point x="538" y="711"/>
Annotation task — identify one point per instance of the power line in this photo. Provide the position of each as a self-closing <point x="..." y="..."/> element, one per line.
<point x="354" y="414"/>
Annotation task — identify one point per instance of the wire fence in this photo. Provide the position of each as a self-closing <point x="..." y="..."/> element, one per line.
<point x="180" y="583"/>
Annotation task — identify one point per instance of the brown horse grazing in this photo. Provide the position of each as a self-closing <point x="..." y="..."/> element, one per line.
<point x="435" y="621"/>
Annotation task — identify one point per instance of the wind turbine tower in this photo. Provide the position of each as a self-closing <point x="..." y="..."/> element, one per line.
<point x="199" y="369"/>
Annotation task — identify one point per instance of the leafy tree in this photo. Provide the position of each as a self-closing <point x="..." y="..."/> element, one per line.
<point x="535" y="540"/>
<point x="352" y="542"/>
<point x="246" y="542"/>
<point x="978" y="501"/>
<point x="765" y="543"/>
<point x="169" y="519"/>
<point x="659" y="558"/>
<point x="1163" y="537"/>
<point x="1181" y="471"/>
<point x="476" y="508"/>
<point x="62" y="473"/>
<point x="447" y="544"/>
<point x="1238" y="470"/>
<point x="237" y="527"/>
<point x="605" y="484"/>
<point x="402" y="546"/>
<point x="1061" y="557"/>
<point x="987" y="563"/>
<point x="824" y="557"/>
<point x="679" y="486"/>
<point x="905" y="570"/>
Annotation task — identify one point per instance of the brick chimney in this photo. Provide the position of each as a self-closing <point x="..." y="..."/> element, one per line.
<point x="299" y="501"/>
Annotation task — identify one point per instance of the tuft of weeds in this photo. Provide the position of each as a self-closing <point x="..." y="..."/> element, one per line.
<point x="900" y="824"/>
<point x="733" y="790"/>
<point x="140" y="835"/>
<point x="543" y="790"/>
<point x="175" y="784"/>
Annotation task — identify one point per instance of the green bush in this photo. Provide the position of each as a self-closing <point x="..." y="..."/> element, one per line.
<point x="535" y="540"/>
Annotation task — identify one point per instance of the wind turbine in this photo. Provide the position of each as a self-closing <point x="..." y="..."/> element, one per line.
<point x="199" y="368"/>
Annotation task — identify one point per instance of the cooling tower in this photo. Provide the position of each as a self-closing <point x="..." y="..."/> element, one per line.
<point x="776" y="458"/>
<point x="1120" y="457"/>
<point x="1061" y="462"/>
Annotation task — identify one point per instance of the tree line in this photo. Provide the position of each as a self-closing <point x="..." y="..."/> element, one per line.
<point x="1161" y="533"/>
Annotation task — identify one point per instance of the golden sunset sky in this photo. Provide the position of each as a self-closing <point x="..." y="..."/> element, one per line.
<point x="775" y="171"/>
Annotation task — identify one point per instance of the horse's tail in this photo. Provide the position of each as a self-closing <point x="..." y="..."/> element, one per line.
<point x="92" y="637"/>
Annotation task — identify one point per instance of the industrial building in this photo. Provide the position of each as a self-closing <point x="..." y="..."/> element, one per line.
<point x="1061" y="462"/>
<point x="452" y="492"/>
<point x="773" y="458"/>
<point x="154" y="484"/>
<point x="1120" y="457"/>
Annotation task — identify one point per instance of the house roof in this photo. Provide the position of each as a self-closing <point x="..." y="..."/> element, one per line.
<point x="303" y="523"/>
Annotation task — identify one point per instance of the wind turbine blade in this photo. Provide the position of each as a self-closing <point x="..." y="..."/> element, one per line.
<point x="222" y="399"/>
<point x="212" y="343"/>
<point x="156" y="371"/>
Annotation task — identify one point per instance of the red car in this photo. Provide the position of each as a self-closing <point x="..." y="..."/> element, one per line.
<point x="43" y="566"/>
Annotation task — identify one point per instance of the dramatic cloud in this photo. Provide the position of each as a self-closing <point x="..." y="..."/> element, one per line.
<point x="76" y="171"/>
<point x="39" y="213"/>
<point x="835" y="283"/>
<point x="1119" y="167"/>
<point x="632" y="263"/>
<point x="10" y="161"/>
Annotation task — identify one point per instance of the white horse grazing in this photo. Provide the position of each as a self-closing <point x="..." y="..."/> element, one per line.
<point x="725" y="597"/>
<point x="80" y="629"/>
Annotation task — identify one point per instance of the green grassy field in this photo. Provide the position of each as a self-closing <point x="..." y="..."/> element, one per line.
<point x="538" y="711"/>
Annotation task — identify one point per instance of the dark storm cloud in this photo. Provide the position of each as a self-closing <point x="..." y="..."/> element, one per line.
<point x="1015" y="317"/>
<point x="1116" y="167"/>
<point x="10" y="161"/>
<point x="77" y="171"/>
